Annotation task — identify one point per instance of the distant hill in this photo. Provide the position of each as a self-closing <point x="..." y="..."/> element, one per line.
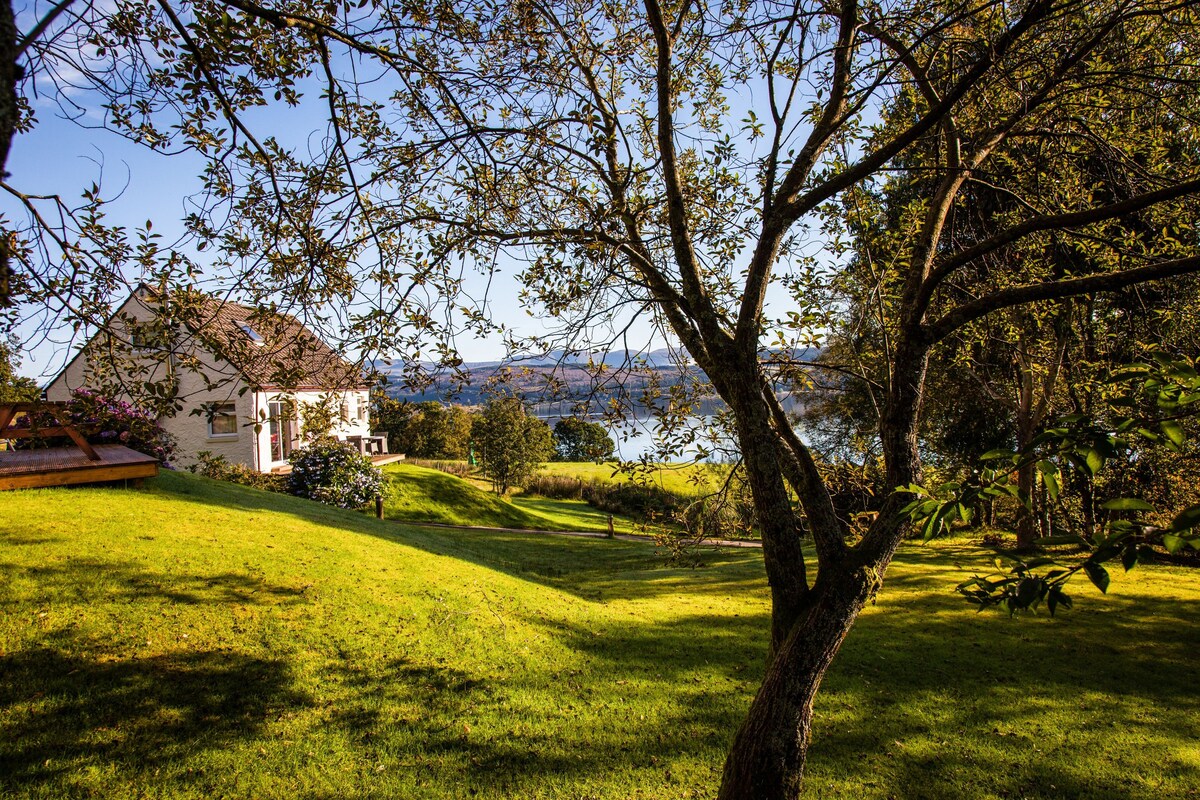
<point x="570" y="374"/>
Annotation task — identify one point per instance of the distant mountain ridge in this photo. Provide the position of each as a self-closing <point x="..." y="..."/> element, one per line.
<point x="530" y="374"/>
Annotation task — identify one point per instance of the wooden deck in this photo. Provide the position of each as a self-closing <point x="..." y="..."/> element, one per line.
<point x="60" y="466"/>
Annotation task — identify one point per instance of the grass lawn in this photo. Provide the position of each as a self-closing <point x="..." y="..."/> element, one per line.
<point x="682" y="479"/>
<point x="419" y="494"/>
<point x="199" y="639"/>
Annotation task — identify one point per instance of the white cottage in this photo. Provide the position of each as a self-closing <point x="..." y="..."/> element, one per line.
<point x="229" y="369"/>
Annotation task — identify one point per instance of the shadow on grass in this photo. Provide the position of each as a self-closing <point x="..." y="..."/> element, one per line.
<point x="80" y="577"/>
<point x="925" y="694"/>
<point x="64" y="713"/>
<point x="643" y="697"/>
<point x="590" y="568"/>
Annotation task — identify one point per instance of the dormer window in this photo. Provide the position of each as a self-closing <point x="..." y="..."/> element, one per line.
<point x="251" y="334"/>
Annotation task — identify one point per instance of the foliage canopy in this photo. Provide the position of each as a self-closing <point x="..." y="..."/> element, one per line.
<point x="705" y="167"/>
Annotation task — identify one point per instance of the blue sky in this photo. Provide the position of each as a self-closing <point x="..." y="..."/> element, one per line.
<point x="63" y="157"/>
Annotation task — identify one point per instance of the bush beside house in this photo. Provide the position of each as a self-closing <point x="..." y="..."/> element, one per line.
<point x="334" y="473"/>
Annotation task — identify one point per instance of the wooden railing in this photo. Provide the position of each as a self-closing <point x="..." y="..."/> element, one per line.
<point x="9" y="413"/>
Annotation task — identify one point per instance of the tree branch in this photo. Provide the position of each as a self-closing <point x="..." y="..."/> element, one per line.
<point x="1056" y="290"/>
<point x="44" y="23"/>
<point x="761" y="263"/>
<point x="801" y="471"/>
<point x="1073" y="219"/>
<point x="685" y="254"/>
<point x="798" y="206"/>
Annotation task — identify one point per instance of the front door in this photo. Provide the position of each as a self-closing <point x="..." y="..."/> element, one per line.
<point x="282" y="427"/>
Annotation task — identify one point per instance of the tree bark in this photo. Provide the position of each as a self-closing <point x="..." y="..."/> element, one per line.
<point x="10" y="110"/>
<point x="779" y="524"/>
<point x="768" y="755"/>
<point x="766" y="761"/>
<point x="1027" y="518"/>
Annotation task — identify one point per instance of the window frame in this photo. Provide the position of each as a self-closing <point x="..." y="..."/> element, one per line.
<point x="215" y="411"/>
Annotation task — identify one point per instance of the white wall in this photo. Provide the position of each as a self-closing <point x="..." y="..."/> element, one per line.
<point x="194" y="369"/>
<point x="353" y="418"/>
<point x="200" y="379"/>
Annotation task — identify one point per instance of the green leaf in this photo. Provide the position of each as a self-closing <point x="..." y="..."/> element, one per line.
<point x="1129" y="558"/>
<point x="1173" y="431"/>
<point x="1094" y="461"/>
<point x="1057" y="597"/>
<point x="1029" y="591"/>
<point x="1173" y="543"/>
<point x="1098" y="575"/>
<point x="1186" y="519"/>
<point x="1149" y="434"/>
<point x="991" y="455"/>
<point x="1127" y="504"/>
<point x="1049" y="477"/>
<point x="1131" y="371"/>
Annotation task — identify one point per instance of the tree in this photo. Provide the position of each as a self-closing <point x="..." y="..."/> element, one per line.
<point x="423" y="430"/>
<point x="688" y="163"/>
<point x="510" y="444"/>
<point x="577" y="439"/>
<point x="13" y="387"/>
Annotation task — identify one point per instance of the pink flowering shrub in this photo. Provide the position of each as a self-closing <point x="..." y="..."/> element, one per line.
<point x="106" y="420"/>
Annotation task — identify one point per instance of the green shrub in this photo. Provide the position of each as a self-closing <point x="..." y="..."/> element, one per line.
<point x="557" y="487"/>
<point x="632" y="500"/>
<point x="219" y="468"/>
<point x="334" y="473"/>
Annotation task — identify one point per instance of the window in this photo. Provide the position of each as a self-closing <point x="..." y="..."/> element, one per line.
<point x="222" y="422"/>
<point x="251" y="334"/>
<point x="146" y="335"/>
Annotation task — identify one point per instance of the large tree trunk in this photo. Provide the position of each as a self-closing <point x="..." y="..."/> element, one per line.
<point x="767" y="758"/>
<point x="779" y="524"/>
<point x="1027" y="519"/>
<point x="10" y="75"/>
<point x="766" y="761"/>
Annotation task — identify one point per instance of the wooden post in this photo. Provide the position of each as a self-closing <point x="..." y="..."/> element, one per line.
<point x="378" y="506"/>
<point x="611" y="533"/>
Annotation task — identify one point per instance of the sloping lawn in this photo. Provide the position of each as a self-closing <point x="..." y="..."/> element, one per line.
<point x="198" y="639"/>
<point x="419" y="494"/>
<point x="686" y="480"/>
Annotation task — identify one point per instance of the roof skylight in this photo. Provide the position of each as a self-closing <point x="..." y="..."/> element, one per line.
<point x="250" y="333"/>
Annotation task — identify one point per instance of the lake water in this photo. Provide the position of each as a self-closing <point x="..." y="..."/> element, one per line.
<point x="638" y="437"/>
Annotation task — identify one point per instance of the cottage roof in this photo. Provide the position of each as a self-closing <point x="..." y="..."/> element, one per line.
<point x="270" y="349"/>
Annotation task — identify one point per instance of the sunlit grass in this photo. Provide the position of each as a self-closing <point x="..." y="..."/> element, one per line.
<point x="682" y="479"/>
<point x="418" y="494"/>
<point x="197" y="639"/>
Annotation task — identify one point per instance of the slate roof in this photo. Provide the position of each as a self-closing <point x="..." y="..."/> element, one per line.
<point x="287" y="355"/>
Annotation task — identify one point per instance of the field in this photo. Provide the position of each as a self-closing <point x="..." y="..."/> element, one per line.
<point x="197" y="639"/>
<point x="686" y="480"/>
